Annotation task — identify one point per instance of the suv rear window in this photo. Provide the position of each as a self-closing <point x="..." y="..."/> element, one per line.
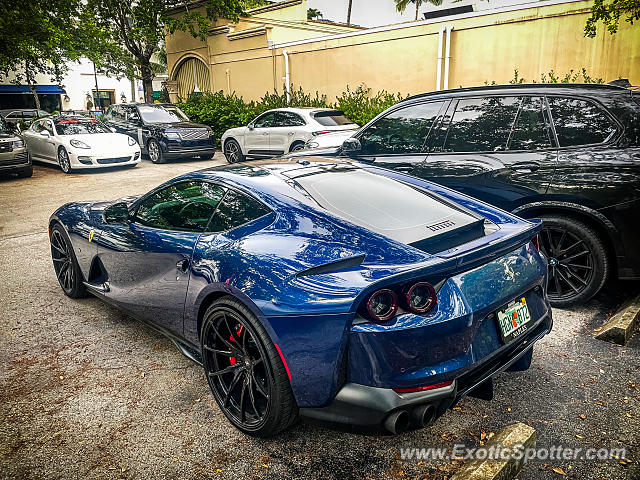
<point x="331" y="118"/>
<point x="580" y="122"/>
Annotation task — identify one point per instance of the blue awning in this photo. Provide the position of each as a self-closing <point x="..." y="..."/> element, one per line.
<point x="25" y="89"/>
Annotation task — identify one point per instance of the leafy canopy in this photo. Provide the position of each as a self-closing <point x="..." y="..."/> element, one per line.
<point x="609" y="14"/>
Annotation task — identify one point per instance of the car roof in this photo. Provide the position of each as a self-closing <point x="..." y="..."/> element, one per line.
<point x="538" y="87"/>
<point x="302" y="110"/>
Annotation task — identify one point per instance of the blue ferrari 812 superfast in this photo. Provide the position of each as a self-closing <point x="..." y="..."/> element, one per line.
<point x="317" y="287"/>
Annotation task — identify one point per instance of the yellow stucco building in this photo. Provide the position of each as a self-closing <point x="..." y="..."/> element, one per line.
<point x="276" y="43"/>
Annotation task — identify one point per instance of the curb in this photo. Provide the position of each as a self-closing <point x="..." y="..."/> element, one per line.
<point x="516" y="434"/>
<point x="619" y="328"/>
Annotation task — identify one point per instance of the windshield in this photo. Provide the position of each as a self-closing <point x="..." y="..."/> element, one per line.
<point x="79" y="127"/>
<point x="161" y="114"/>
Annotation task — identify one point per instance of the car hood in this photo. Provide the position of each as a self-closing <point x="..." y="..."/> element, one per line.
<point x="102" y="141"/>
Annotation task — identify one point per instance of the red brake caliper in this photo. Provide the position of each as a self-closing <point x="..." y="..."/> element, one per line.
<point x="232" y="360"/>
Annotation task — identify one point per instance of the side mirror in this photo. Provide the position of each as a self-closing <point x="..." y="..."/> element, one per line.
<point x="45" y="133"/>
<point x="251" y="126"/>
<point x="116" y="213"/>
<point x="134" y="119"/>
<point x="351" y="145"/>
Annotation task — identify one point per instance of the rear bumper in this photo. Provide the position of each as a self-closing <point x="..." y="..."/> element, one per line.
<point x="368" y="406"/>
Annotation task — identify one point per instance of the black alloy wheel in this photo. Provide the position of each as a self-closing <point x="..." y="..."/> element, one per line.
<point x="65" y="264"/>
<point x="244" y="371"/>
<point x="577" y="259"/>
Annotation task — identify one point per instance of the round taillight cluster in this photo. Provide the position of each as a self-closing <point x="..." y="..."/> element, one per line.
<point x="418" y="298"/>
<point x="382" y="305"/>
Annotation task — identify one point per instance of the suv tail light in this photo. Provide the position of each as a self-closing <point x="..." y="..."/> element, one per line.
<point x="536" y="242"/>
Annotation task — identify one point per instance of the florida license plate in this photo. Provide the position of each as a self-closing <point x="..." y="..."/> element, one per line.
<point x="514" y="320"/>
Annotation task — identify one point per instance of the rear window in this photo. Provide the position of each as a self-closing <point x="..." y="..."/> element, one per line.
<point x="332" y="118"/>
<point x="79" y="127"/>
<point x="379" y="203"/>
<point x="580" y="122"/>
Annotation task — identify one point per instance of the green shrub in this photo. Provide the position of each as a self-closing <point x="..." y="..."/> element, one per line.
<point x="360" y="106"/>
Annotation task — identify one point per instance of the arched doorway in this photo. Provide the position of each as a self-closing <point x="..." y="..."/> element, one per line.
<point x="192" y="75"/>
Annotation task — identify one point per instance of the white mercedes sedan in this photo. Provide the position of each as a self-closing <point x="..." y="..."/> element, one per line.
<point x="76" y="142"/>
<point x="282" y="130"/>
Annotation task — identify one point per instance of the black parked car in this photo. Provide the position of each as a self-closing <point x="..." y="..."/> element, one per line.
<point x="162" y="130"/>
<point x="569" y="154"/>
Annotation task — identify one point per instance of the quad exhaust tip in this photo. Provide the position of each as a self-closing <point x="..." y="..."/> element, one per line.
<point x="397" y="422"/>
<point x="400" y="420"/>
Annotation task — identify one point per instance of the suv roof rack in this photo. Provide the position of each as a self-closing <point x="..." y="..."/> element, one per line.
<point x="595" y="86"/>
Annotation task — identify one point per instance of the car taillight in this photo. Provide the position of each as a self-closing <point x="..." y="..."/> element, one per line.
<point x="536" y="242"/>
<point x="382" y="305"/>
<point x="320" y="133"/>
<point x="423" y="388"/>
<point x="420" y="297"/>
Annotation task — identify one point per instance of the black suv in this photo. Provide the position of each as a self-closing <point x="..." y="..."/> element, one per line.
<point x="569" y="154"/>
<point x="162" y="130"/>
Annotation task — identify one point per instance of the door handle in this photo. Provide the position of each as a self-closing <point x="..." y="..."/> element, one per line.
<point x="265" y="134"/>
<point x="525" y="166"/>
<point x="290" y="133"/>
<point x="182" y="265"/>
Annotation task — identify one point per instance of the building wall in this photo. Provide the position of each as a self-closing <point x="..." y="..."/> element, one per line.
<point x="485" y="46"/>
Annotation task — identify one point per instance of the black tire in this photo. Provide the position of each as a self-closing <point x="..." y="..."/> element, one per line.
<point x="523" y="363"/>
<point x="244" y="370"/>
<point x="578" y="260"/>
<point x="26" y="172"/>
<point x="65" y="264"/>
<point x="155" y="151"/>
<point x="64" y="161"/>
<point x="233" y="152"/>
<point x="296" y="146"/>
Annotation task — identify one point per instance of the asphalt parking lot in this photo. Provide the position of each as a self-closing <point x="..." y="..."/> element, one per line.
<point x="87" y="392"/>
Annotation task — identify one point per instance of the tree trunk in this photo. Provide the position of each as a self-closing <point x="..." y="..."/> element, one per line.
<point x="35" y="95"/>
<point x="30" y="83"/>
<point x="147" y="82"/>
<point x="349" y="12"/>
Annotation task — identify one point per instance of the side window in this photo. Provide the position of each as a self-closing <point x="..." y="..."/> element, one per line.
<point x="402" y="131"/>
<point x="37" y="126"/>
<point x="265" y="121"/>
<point x="236" y="209"/>
<point x="580" y="122"/>
<point x="290" y="119"/>
<point x="481" y="124"/>
<point x="46" y="125"/>
<point x="531" y="129"/>
<point x="184" y="206"/>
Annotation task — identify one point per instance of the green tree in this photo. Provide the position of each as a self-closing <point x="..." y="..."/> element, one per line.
<point x="38" y="37"/>
<point x="401" y="5"/>
<point x="609" y="14"/>
<point x="127" y="34"/>
<point x="313" y="13"/>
